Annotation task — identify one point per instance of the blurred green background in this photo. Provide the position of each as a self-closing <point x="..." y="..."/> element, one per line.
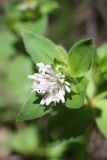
<point x="65" y="22"/>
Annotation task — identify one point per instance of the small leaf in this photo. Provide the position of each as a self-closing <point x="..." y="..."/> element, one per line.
<point x="68" y="123"/>
<point x="91" y="87"/>
<point x="80" y="58"/>
<point x="42" y="49"/>
<point x="16" y="78"/>
<point x="7" y="40"/>
<point x="31" y="110"/>
<point x="38" y="26"/>
<point x="25" y="141"/>
<point x="102" y="51"/>
<point x="48" y="7"/>
<point x="101" y="96"/>
<point x="102" y="119"/>
<point x="77" y="99"/>
<point x="103" y="64"/>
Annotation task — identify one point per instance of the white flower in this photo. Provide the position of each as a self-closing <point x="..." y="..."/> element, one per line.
<point x="50" y="83"/>
<point x="27" y="5"/>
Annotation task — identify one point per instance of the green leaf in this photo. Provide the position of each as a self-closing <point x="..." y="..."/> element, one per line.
<point x="10" y="17"/>
<point x="101" y="96"/>
<point x="80" y="58"/>
<point x="39" y="26"/>
<point x="17" y="78"/>
<point x="6" y="45"/>
<point x="102" y="119"/>
<point x="91" y="87"/>
<point x="56" y="149"/>
<point x="25" y="141"/>
<point x="32" y="110"/>
<point x="103" y="64"/>
<point x="67" y="123"/>
<point x="48" y="7"/>
<point x="77" y="99"/>
<point x="102" y="57"/>
<point x="102" y="51"/>
<point x="42" y="49"/>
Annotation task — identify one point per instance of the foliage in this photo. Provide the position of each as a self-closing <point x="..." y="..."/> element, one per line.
<point x="45" y="51"/>
<point x="48" y="132"/>
<point x="75" y="65"/>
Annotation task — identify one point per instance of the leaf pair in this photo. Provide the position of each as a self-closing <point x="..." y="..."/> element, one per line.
<point x="78" y="60"/>
<point x="76" y="64"/>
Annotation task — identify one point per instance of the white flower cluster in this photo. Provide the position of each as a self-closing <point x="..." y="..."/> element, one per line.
<point x="27" y="5"/>
<point x="50" y="83"/>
